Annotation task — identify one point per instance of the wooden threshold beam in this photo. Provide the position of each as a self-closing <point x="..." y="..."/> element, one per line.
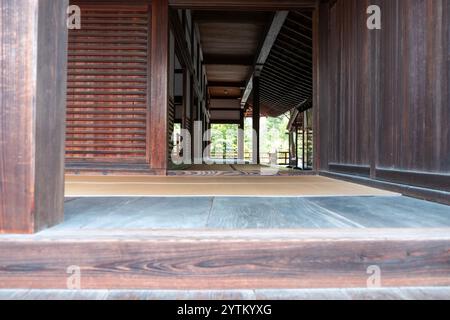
<point x="202" y="259"/>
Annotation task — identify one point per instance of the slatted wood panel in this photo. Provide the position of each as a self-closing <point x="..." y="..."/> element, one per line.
<point x="107" y="99"/>
<point x="171" y="120"/>
<point x="286" y="79"/>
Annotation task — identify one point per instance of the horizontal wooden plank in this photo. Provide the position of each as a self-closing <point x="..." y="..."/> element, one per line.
<point x="226" y="260"/>
<point x="90" y="131"/>
<point x="87" y="151"/>
<point x="73" y="60"/>
<point x="350" y="169"/>
<point x="94" y="118"/>
<point x="112" y="139"/>
<point x="107" y="112"/>
<point x="439" y="181"/>
<point x="121" y="100"/>
<point x="417" y="192"/>
<point x="240" y="5"/>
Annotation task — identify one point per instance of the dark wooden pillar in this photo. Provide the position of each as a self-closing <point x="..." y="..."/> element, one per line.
<point x="296" y="146"/>
<point x="159" y="87"/>
<point x="256" y="117"/>
<point x="241" y="137"/>
<point x="33" y="41"/>
<point x="304" y="146"/>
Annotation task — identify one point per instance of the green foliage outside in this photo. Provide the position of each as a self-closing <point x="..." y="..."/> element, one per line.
<point x="274" y="136"/>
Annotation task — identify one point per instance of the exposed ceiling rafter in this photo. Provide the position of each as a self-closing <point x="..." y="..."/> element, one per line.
<point x="264" y="52"/>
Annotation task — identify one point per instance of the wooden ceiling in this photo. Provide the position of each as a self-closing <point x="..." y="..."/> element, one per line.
<point x="287" y="76"/>
<point x="231" y="43"/>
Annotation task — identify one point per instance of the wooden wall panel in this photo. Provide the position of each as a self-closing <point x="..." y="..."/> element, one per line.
<point x="383" y="103"/>
<point x="108" y="84"/>
<point x="33" y="50"/>
<point x="349" y="122"/>
<point x="414" y="110"/>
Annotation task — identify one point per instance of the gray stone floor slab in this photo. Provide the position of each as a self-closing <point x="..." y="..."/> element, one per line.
<point x="254" y="213"/>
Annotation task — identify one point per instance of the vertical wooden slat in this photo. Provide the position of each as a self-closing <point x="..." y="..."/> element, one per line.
<point x="33" y="39"/>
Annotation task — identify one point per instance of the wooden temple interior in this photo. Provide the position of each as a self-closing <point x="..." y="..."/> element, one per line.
<point x="88" y="118"/>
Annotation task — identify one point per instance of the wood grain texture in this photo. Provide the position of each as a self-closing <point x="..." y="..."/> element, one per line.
<point x="242" y="262"/>
<point x="108" y="84"/>
<point x="241" y="5"/>
<point x="417" y="293"/>
<point x="383" y="95"/>
<point x="159" y="86"/>
<point x="33" y="59"/>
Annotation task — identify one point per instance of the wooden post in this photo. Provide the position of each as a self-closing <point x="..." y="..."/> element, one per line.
<point x="33" y="41"/>
<point x="291" y="155"/>
<point x="159" y="87"/>
<point x="256" y="118"/>
<point x="304" y="151"/>
<point x="241" y="138"/>
<point x="296" y="146"/>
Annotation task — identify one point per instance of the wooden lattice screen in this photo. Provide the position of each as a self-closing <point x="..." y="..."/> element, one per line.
<point x="107" y="95"/>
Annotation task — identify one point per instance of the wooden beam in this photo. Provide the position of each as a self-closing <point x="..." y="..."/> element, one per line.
<point x="243" y="5"/>
<point x="292" y="120"/>
<point x="228" y="60"/>
<point x="271" y="36"/>
<point x="227" y="259"/>
<point x="228" y="17"/>
<point x="159" y="86"/>
<point x="33" y="41"/>
<point x="407" y="190"/>
<point x="218" y="84"/>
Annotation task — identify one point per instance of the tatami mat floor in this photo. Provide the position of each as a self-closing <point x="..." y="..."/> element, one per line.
<point x="257" y="186"/>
